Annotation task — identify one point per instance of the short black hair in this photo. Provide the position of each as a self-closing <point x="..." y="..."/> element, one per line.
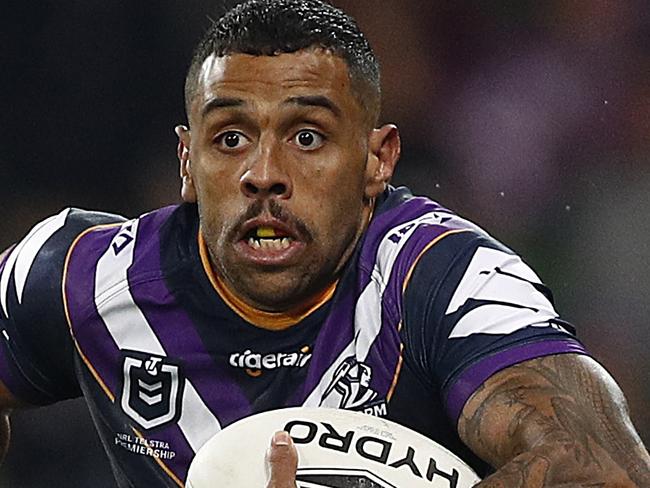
<point x="271" y="27"/>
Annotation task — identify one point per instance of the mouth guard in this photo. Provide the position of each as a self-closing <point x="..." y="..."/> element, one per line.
<point x="266" y="232"/>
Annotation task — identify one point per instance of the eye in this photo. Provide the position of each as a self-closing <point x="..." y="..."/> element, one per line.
<point x="308" y="139"/>
<point x="231" y="140"/>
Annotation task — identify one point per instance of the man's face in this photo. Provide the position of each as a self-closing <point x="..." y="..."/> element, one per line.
<point x="283" y="166"/>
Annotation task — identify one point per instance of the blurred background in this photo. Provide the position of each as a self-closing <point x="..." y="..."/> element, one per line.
<point x="530" y="118"/>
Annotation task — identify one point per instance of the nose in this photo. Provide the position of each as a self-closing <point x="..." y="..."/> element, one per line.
<point x="266" y="178"/>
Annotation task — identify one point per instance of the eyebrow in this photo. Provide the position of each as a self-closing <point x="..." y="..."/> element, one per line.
<point x="220" y="102"/>
<point x="315" y="101"/>
<point x="303" y="101"/>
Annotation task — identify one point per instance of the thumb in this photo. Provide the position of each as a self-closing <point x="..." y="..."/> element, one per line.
<point x="281" y="462"/>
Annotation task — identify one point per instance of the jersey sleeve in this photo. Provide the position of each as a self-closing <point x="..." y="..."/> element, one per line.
<point x="472" y="308"/>
<point x="36" y="349"/>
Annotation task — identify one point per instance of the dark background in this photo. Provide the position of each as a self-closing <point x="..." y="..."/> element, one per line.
<point x="531" y="118"/>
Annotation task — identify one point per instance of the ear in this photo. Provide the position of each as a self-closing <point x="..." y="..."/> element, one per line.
<point x="384" y="149"/>
<point x="188" y="191"/>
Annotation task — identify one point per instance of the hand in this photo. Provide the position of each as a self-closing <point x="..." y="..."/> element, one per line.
<point x="281" y="462"/>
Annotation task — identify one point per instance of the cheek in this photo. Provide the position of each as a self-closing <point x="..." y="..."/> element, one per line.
<point x="340" y="172"/>
<point x="215" y="198"/>
<point x="337" y="205"/>
<point x="215" y="181"/>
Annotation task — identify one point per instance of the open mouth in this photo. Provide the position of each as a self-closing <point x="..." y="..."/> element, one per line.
<point x="269" y="241"/>
<point x="265" y="237"/>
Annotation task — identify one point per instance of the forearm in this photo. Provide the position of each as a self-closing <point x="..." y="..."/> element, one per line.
<point x="558" y="466"/>
<point x="559" y="421"/>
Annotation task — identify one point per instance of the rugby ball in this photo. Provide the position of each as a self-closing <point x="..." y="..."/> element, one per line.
<point x="336" y="449"/>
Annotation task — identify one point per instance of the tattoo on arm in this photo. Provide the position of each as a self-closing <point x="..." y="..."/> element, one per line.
<point x="555" y="421"/>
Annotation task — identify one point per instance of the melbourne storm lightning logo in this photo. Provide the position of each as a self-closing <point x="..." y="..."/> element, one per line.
<point x="350" y="387"/>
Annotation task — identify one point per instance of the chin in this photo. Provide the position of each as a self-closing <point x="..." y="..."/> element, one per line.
<point x="271" y="298"/>
<point x="279" y="289"/>
<point x="281" y="296"/>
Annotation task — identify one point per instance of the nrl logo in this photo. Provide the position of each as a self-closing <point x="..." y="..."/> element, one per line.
<point x="152" y="389"/>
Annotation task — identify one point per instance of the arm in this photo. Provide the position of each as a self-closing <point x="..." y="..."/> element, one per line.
<point x="32" y="373"/>
<point x="556" y="421"/>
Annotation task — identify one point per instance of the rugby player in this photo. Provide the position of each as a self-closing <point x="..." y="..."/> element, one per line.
<point x="294" y="274"/>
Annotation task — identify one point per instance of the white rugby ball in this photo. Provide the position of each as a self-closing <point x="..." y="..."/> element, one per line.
<point x="336" y="449"/>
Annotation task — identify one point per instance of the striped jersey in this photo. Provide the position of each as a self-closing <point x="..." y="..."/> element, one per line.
<point x="129" y="314"/>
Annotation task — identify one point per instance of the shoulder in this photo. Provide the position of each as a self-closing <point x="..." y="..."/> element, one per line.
<point x="54" y="234"/>
<point x="36" y="350"/>
<point x="38" y="258"/>
<point x="103" y="253"/>
<point x="117" y="232"/>
<point x="427" y="244"/>
<point x="406" y="228"/>
<point x="36" y="264"/>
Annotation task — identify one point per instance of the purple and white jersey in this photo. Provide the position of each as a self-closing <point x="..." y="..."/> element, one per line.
<point x="128" y="314"/>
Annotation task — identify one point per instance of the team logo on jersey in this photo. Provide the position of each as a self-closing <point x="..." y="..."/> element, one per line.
<point x="351" y="385"/>
<point x="152" y="389"/>
<point x="338" y="477"/>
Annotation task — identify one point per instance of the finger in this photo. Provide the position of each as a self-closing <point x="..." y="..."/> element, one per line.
<point x="281" y="462"/>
